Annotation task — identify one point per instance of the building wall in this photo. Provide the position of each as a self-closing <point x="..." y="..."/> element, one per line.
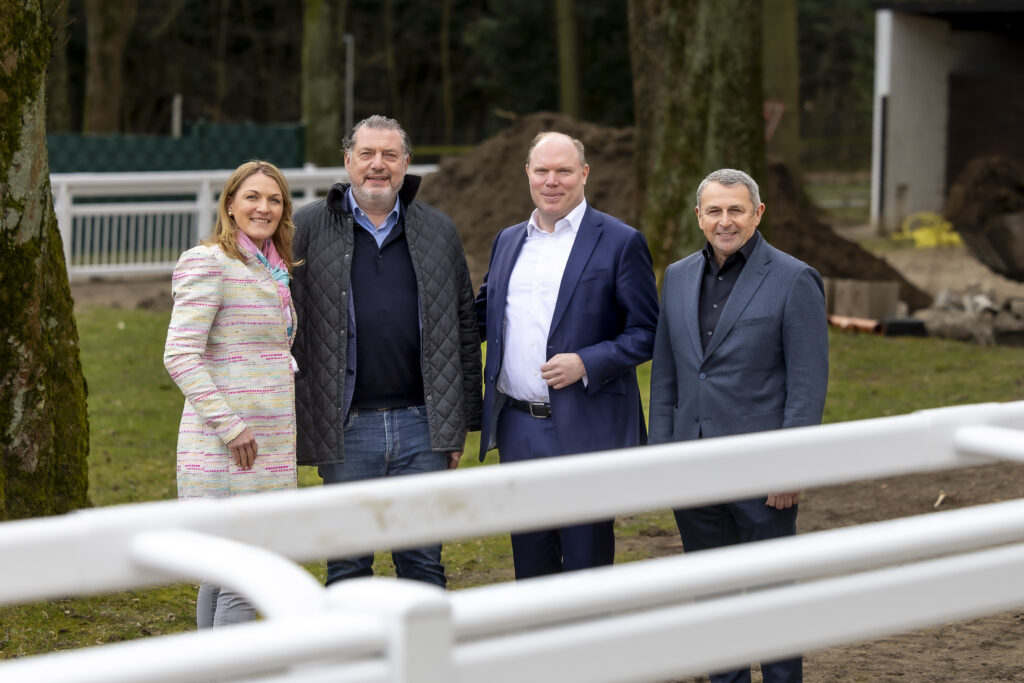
<point x="917" y="57"/>
<point x="915" y="144"/>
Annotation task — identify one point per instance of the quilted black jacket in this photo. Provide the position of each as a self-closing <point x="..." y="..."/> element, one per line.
<point x="325" y="343"/>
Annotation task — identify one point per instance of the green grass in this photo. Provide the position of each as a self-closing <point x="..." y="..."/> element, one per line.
<point x="134" y="410"/>
<point x="134" y="406"/>
<point x="874" y="376"/>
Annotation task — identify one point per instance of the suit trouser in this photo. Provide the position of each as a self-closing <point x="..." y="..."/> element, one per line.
<point x="522" y="437"/>
<point x="715" y="526"/>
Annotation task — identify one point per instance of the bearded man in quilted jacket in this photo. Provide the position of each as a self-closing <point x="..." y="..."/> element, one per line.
<point x="387" y="346"/>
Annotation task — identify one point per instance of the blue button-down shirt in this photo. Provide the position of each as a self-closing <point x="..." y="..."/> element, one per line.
<point x="379" y="233"/>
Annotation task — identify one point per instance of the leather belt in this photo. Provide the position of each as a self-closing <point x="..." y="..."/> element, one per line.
<point x="539" y="410"/>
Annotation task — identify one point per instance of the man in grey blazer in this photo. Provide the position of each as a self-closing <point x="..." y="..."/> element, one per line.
<point x="741" y="346"/>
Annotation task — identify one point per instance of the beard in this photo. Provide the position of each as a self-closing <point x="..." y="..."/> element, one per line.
<point x="380" y="200"/>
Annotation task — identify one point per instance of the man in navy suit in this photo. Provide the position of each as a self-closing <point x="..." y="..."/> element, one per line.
<point x="742" y="346"/>
<point x="569" y="309"/>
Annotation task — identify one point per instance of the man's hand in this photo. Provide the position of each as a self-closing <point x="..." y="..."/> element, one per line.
<point x="562" y="370"/>
<point x="454" y="456"/>
<point x="783" y="501"/>
<point x="243" y="449"/>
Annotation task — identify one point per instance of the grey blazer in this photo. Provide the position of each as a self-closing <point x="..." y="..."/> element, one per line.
<point x="766" y="366"/>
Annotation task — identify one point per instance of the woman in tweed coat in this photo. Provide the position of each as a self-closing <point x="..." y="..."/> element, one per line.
<point x="228" y="349"/>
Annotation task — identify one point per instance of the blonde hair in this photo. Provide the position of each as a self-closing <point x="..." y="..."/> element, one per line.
<point x="225" y="231"/>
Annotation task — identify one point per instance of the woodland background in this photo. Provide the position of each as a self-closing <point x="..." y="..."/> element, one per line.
<point x="454" y="72"/>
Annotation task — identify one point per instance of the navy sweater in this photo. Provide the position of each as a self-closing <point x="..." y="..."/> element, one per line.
<point x="388" y="373"/>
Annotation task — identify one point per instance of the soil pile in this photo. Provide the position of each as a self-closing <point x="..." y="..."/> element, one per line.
<point x="797" y="230"/>
<point x="486" y="191"/>
<point x="986" y="206"/>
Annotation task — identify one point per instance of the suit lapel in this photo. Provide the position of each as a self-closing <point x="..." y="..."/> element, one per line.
<point x="582" y="247"/>
<point x="746" y="286"/>
<point x="502" y="270"/>
<point x="691" y="302"/>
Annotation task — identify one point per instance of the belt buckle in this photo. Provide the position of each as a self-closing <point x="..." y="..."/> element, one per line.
<point x="539" y="406"/>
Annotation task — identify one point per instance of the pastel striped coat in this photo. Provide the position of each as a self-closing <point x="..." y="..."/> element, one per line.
<point x="229" y="352"/>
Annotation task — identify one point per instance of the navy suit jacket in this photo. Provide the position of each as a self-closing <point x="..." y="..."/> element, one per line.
<point x="606" y="311"/>
<point x="766" y="366"/>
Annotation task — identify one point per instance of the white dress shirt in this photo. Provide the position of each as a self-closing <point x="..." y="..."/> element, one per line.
<point x="532" y="292"/>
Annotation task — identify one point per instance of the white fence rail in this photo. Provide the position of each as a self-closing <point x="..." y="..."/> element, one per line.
<point x="643" y="621"/>
<point x="119" y="224"/>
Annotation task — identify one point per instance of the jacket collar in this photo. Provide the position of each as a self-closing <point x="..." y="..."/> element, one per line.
<point x="336" y="195"/>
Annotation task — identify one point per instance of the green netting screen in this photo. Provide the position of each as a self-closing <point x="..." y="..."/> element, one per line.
<point x="203" y="146"/>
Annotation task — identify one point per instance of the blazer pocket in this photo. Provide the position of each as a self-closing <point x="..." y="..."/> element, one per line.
<point x="614" y="385"/>
<point x="761" y="422"/>
<point x="760" y="320"/>
<point x="597" y="274"/>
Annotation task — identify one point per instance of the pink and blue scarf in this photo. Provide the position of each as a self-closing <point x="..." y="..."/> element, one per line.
<point x="269" y="257"/>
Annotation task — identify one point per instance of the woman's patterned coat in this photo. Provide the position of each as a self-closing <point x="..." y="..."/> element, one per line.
<point x="229" y="351"/>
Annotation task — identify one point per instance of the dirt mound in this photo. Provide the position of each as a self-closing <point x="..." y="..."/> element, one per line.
<point x="797" y="230"/>
<point x="486" y="191"/>
<point x="986" y="206"/>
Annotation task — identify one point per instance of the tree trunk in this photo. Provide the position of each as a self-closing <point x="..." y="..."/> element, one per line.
<point x="392" y="62"/>
<point x="44" y="441"/>
<point x="782" y="83"/>
<point x="323" y="68"/>
<point x="698" y="100"/>
<point x="447" y="101"/>
<point x="58" y="115"/>
<point x="220" y="96"/>
<point x="568" y="67"/>
<point x="108" y="23"/>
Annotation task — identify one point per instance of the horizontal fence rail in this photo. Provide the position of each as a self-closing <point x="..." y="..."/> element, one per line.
<point x="123" y="224"/>
<point x="642" y="621"/>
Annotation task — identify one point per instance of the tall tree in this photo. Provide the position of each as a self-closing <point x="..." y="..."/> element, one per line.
<point x="108" y="24"/>
<point x="447" y="101"/>
<point x="568" y="69"/>
<point x="782" y="83"/>
<point x="323" y="68"/>
<point x="836" y="82"/>
<point x="698" y="103"/>
<point x="58" y="115"/>
<point x="220" y="62"/>
<point x="44" y="434"/>
<point x="394" y="88"/>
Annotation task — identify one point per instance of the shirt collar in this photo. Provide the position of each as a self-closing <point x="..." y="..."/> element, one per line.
<point x="571" y="222"/>
<point x="743" y="252"/>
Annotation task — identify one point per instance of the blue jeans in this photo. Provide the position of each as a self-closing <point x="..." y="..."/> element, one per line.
<point x="387" y="443"/>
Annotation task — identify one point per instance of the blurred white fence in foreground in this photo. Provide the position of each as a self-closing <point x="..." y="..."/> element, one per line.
<point x="645" y="621"/>
<point x="122" y="224"/>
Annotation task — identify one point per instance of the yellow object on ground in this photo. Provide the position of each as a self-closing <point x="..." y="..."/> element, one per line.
<point x="927" y="230"/>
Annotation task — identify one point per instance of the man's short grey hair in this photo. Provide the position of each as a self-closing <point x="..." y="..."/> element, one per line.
<point x="377" y="122"/>
<point x="730" y="177"/>
<point x="540" y="136"/>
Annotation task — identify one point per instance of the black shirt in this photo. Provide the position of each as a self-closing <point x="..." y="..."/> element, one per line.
<point x="717" y="283"/>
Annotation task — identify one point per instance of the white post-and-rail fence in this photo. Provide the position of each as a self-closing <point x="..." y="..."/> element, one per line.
<point x="644" y="621"/>
<point x="127" y="224"/>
